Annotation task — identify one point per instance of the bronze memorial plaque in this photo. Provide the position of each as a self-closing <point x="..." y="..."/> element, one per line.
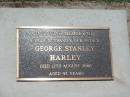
<point x="63" y="53"/>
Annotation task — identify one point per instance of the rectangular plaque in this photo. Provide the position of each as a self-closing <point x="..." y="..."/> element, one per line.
<point x="63" y="53"/>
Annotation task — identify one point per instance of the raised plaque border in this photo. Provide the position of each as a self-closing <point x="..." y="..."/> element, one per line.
<point x="18" y="79"/>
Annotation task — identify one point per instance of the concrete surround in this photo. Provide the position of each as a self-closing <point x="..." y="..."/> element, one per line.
<point x="116" y="20"/>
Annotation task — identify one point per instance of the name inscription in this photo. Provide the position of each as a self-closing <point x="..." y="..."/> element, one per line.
<point x="63" y="54"/>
